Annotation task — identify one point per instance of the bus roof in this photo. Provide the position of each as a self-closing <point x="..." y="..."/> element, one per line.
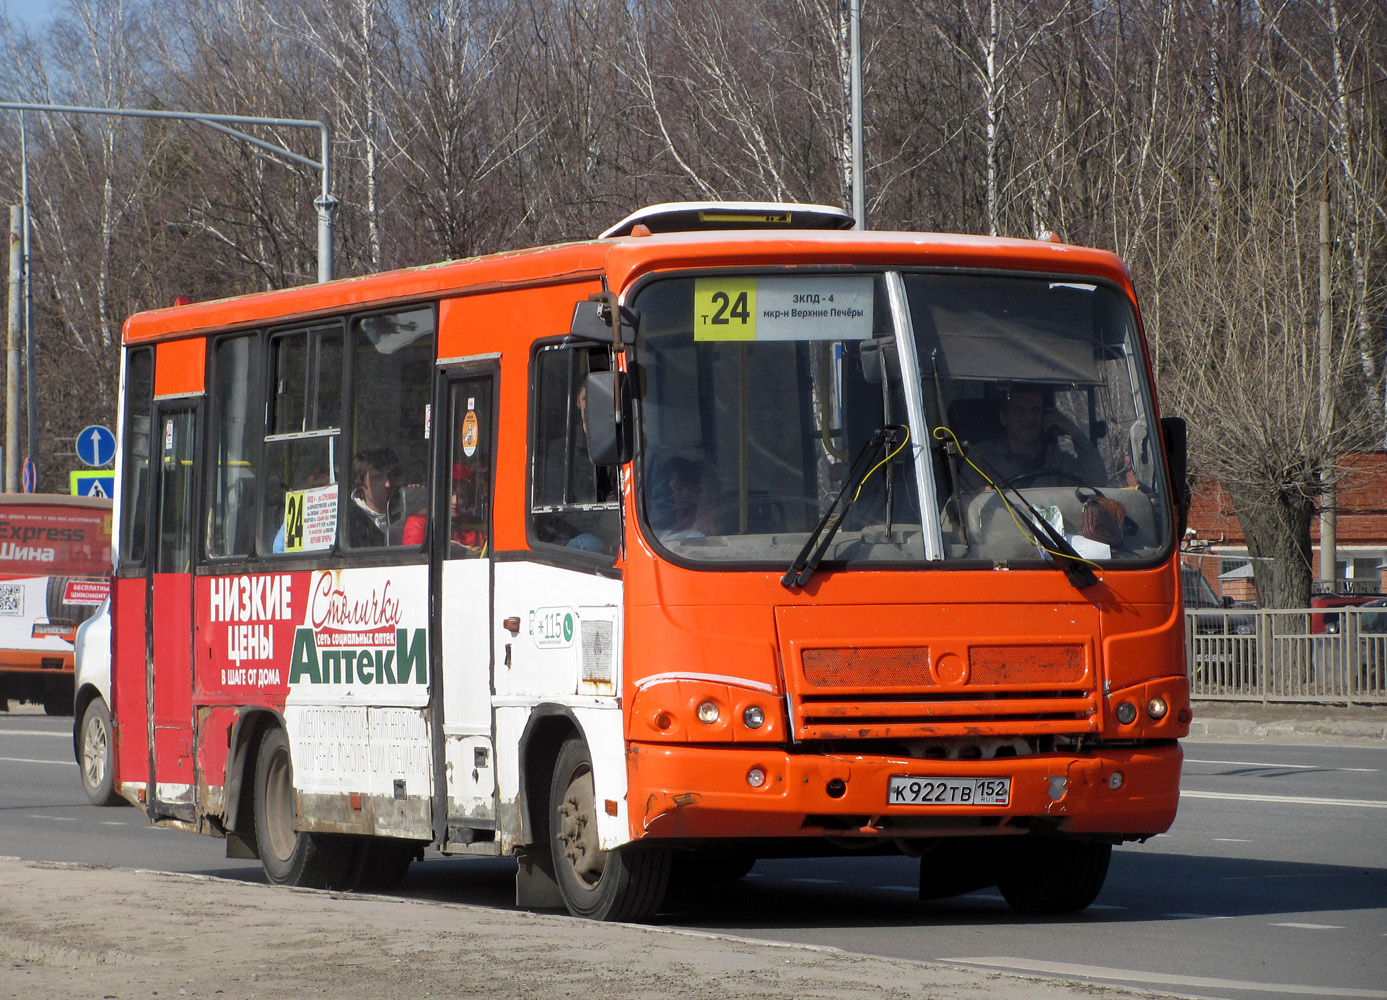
<point x="621" y="260"/>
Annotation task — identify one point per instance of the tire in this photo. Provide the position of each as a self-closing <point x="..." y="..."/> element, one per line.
<point x="1039" y="875"/>
<point x="95" y="758"/>
<point x="291" y="856"/>
<point x="379" y="864"/>
<point x="628" y="883"/>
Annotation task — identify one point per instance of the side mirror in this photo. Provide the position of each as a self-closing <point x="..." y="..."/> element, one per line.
<point x="1174" y="436"/>
<point x="592" y="321"/>
<point x="610" y="430"/>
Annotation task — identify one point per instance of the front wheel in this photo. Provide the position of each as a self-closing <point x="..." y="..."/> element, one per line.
<point x="94" y="755"/>
<point x="291" y="856"/>
<point x="628" y="883"/>
<point x="1039" y="875"/>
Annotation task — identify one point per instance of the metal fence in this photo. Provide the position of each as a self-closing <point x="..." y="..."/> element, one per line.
<point x="1329" y="655"/>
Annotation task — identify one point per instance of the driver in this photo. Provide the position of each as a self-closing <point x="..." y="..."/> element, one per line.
<point x="1029" y="445"/>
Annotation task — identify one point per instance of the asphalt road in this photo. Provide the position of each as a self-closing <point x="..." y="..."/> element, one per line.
<point x="1273" y="882"/>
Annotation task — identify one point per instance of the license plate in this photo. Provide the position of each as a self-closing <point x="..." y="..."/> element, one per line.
<point x="909" y="790"/>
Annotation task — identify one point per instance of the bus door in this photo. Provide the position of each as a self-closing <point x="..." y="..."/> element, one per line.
<point x="170" y="676"/>
<point x="462" y="604"/>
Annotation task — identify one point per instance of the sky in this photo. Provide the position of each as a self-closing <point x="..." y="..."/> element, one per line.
<point x="34" y="13"/>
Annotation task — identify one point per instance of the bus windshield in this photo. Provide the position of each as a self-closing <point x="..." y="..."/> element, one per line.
<point x="925" y="416"/>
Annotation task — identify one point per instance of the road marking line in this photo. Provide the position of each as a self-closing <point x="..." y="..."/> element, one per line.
<point x="32" y="732"/>
<point x="27" y="760"/>
<point x="817" y="881"/>
<point x="1135" y="976"/>
<point x="1196" y="916"/>
<point x="1312" y="927"/>
<point x="1231" y="840"/>
<point x="900" y="888"/>
<point x="1296" y="767"/>
<point x="55" y="819"/>
<point x="1293" y="800"/>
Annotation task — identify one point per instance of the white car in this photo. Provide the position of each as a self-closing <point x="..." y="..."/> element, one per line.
<point x="91" y="708"/>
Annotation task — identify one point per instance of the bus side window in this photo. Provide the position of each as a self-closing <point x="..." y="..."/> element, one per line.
<point x="301" y="442"/>
<point x="134" y="497"/>
<point x="386" y="474"/>
<point x="573" y="503"/>
<point x="231" y="473"/>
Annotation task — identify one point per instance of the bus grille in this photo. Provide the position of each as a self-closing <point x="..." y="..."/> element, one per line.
<point x="894" y="692"/>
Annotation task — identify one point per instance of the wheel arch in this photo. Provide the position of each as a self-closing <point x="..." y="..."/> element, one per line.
<point x="84" y="696"/>
<point x="251" y="724"/>
<point x="545" y="732"/>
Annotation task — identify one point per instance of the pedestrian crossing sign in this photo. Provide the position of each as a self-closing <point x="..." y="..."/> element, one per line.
<point x="93" y="483"/>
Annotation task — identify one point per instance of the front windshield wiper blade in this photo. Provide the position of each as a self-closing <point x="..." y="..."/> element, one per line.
<point x="880" y="444"/>
<point x="1077" y="570"/>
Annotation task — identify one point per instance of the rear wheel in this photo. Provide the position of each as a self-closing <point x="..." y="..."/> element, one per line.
<point x="94" y="755"/>
<point x="628" y="883"/>
<point x="1039" y="875"/>
<point x="290" y="856"/>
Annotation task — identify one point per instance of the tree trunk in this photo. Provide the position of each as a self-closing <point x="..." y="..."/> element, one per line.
<point x="1276" y="524"/>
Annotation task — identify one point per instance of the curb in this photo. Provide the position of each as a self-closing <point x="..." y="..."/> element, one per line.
<point x="1320" y="728"/>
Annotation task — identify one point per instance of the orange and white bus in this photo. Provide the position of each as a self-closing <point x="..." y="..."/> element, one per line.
<point x="55" y="570"/>
<point x="730" y="534"/>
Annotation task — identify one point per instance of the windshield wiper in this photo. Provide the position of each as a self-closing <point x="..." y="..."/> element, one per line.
<point x="880" y="445"/>
<point x="1077" y="570"/>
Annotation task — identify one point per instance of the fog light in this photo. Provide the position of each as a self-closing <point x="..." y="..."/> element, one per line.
<point x="708" y="712"/>
<point x="1156" y="708"/>
<point x="756" y="777"/>
<point x="1126" y="713"/>
<point x="663" y="720"/>
<point x="754" y="717"/>
<point x="1115" y="780"/>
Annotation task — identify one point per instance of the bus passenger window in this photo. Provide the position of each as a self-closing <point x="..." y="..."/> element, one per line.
<point x="392" y="379"/>
<point x="134" y="513"/>
<point x="231" y="475"/>
<point x="299" y="482"/>
<point x="573" y="503"/>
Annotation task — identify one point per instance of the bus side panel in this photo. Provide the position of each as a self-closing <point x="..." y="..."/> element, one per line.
<point x="128" y="702"/>
<point x="565" y="656"/>
<point x="173" y="687"/>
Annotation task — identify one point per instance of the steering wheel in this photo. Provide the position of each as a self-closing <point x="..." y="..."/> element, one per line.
<point x="1029" y="478"/>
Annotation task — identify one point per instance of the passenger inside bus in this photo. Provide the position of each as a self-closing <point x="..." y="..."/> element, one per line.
<point x="1028" y="452"/>
<point x="374" y="516"/>
<point x="467" y="516"/>
<point x="675" y="510"/>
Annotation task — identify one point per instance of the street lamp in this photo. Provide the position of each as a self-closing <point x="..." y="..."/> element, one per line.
<point x="325" y="205"/>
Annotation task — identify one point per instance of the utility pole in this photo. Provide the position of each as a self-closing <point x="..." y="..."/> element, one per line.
<point x="12" y="357"/>
<point x="859" y="201"/>
<point x="1329" y="515"/>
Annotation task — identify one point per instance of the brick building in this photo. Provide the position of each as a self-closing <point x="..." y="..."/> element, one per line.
<point x="1218" y="546"/>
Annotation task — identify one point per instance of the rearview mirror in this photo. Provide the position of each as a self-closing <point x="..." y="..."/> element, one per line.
<point x="609" y="428"/>
<point x="1173" y="436"/>
<point x="592" y="320"/>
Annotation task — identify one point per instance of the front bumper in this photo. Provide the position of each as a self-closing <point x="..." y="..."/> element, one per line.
<point x="699" y="791"/>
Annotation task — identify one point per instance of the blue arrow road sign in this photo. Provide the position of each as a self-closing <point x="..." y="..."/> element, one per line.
<point x="96" y="445"/>
<point x="93" y="484"/>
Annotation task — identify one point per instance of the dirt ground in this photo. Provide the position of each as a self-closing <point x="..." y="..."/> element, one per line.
<point x="77" y="932"/>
